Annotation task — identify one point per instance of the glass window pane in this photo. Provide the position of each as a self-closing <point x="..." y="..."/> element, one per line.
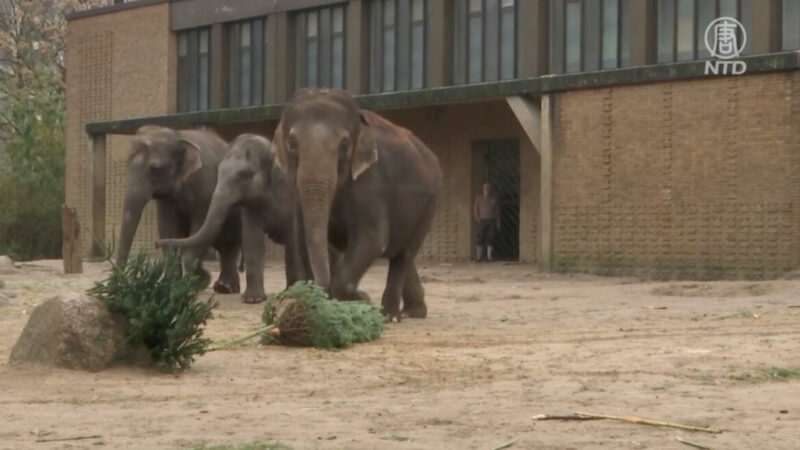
<point x="193" y="64"/>
<point x="245" y="36"/>
<point x="625" y="34"/>
<point x="203" y="82"/>
<point x="376" y="47"/>
<point x="403" y="41"/>
<point x="508" y="47"/>
<point x="311" y="24"/>
<point x="417" y="10"/>
<point x="475" y="48"/>
<point x="666" y="30"/>
<point x="746" y="17"/>
<point x="491" y="55"/>
<point x="388" y="59"/>
<point x="325" y="47"/>
<point x="338" y="20"/>
<point x="573" y="31"/>
<point x="475" y="5"/>
<point x="685" y="43"/>
<point x="300" y="51"/>
<point x="459" y="41"/>
<point x="417" y="56"/>
<point x="610" y="33"/>
<point x="388" y="12"/>
<point x="728" y="8"/>
<point x="311" y="63"/>
<point x="244" y="83"/>
<point x="338" y="62"/>
<point x="706" y="13"/>
<point x="183" y="44"/>
<point x="591" y="40"/>
<point x="791" y="24"/>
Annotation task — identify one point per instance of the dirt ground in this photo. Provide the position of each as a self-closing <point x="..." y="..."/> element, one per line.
<point x="502" y="343"/>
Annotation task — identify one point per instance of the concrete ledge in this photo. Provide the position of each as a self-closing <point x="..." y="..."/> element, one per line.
<point x="465" y="93"/>
<point x="111" y="8"/>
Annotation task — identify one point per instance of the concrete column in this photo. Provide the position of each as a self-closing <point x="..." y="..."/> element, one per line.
<point x="532" y="46"/>
<point x="280" y="53"/>
<point x="357" y="51"/>
<point x="440" y="43"/>
<point x="546" y="191"/>
<point x="765" y="35"/>
<point x="98" y="228"/>
<point x="643" y="38"/>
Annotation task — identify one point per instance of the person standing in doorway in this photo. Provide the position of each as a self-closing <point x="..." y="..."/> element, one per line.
<point x="487" y="215"/>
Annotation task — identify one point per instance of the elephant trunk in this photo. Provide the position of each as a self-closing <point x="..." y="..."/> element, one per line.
<point x="221" y="203"/>
<point x="135" y="200"/>
<point x="315" y="200"/>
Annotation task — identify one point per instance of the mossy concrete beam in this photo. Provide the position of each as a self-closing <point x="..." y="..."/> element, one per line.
<point x="465" y="93"/>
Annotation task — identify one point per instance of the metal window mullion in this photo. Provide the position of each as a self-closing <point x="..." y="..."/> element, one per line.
<point x="675" y="31"/>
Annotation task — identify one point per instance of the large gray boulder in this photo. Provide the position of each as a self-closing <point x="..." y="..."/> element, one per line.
<point x="75" y="331"/>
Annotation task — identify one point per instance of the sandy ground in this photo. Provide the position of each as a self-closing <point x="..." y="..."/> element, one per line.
<point x="501" y="344"/>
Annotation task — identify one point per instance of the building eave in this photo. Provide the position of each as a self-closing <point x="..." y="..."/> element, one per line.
<point x="772" y="62"/>
<point x="111" y="9"/>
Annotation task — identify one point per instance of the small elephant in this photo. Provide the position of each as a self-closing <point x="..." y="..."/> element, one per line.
<point x="366" y="186"/>
<point x="248" y="179"/>
<point x="179" y="170"/>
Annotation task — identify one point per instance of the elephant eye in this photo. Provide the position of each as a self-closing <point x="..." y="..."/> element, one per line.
<point x="291" y="144"/>
<point x="344" y="145"/>
<point x="246" y="174"/>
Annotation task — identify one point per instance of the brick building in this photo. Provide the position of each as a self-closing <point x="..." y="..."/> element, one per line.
<point x="610" y="148"/>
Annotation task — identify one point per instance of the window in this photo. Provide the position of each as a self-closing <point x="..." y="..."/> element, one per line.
<point x="791" y="24"/>
<point x="589" y="35"/>
<point x="682" y="25"/>
<point x="485" y="39"/>
<point x="319" y="58"/>
<point x="397" y="45"/>
<point x="193" y="70"/>
<point x="247" y="63"/>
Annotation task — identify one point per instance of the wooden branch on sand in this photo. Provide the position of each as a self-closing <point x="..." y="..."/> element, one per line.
<point x="629" y="419"/>
<point x="692" y="444"/>
<point x="74" y="438"/>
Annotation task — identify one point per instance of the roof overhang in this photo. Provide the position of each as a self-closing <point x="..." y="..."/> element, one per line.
<point x="465" y="93"/>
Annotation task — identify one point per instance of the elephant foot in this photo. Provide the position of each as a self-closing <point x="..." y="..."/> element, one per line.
<point x="393" y="315"/>
<point x="416" y="311"/>
<point x="226" y="287"/>
<point x="253" y="298"/>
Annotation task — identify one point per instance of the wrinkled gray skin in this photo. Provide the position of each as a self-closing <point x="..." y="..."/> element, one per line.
<point x="365" y="186"/>
<point x="178" y="169"/>
<point x="248" y="180"/>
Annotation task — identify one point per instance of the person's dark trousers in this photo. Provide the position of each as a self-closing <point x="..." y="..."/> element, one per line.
<point x="486" y="229"/>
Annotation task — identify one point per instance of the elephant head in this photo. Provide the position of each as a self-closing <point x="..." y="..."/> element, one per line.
<point x="324" y="142"/>
<point x="160" y="163"/>
<point x="243" y="175"/>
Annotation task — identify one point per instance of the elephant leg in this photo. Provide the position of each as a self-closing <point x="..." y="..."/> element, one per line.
<point x="296" y="269"/>
<point x="228" y="281"/>
<point x="355" y="262"/>
<point x="414" y="295"/>
<point x="192" y="257"/>
<point x="253" y="248"/>
<point x="390" y="303"/>
<point x="171" y="225"/>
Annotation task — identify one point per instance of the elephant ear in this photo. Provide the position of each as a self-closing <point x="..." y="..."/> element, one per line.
<point x="192" y="159"/>
<point x="365" y="152"/>
<point x="278" y="149"/>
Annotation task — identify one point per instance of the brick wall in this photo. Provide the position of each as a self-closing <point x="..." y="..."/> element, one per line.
<point x="697" y="178"/>
<point x="119" y="66"/>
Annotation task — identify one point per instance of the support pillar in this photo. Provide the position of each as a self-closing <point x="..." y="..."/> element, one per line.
<point x="98" y="227"/>
<point x="546" y="204"/>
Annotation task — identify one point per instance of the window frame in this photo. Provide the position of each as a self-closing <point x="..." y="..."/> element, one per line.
<point x="258" y="49"/>
<point x="559" y="44"/>
<point x="190" y="97"/>
<point x="698" y="39"/>
<point x="462" y="58"/>
<point x="377" y="34"/>
<point x="300" y="19"/>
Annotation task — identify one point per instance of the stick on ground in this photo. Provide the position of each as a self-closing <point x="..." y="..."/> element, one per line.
<point x="563" y="417"/>
<point x="692" y="444"/>
<point x="655" y="423"/>
<point x="506" y="445"/>
<point x="73" y="438"/>
<point x="224" y="345"/>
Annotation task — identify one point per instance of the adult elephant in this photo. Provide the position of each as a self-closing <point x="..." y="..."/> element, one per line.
<point x="366" y="186"/>
<point x="248" y="180"/>
<point x="178" y="169"/>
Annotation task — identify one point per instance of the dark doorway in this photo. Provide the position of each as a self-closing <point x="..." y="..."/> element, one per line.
<point x="497" y="161"/>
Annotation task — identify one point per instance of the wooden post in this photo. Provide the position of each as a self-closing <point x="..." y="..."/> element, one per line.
<point x="71" y="241"/>
<point x="546" y="205"/>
